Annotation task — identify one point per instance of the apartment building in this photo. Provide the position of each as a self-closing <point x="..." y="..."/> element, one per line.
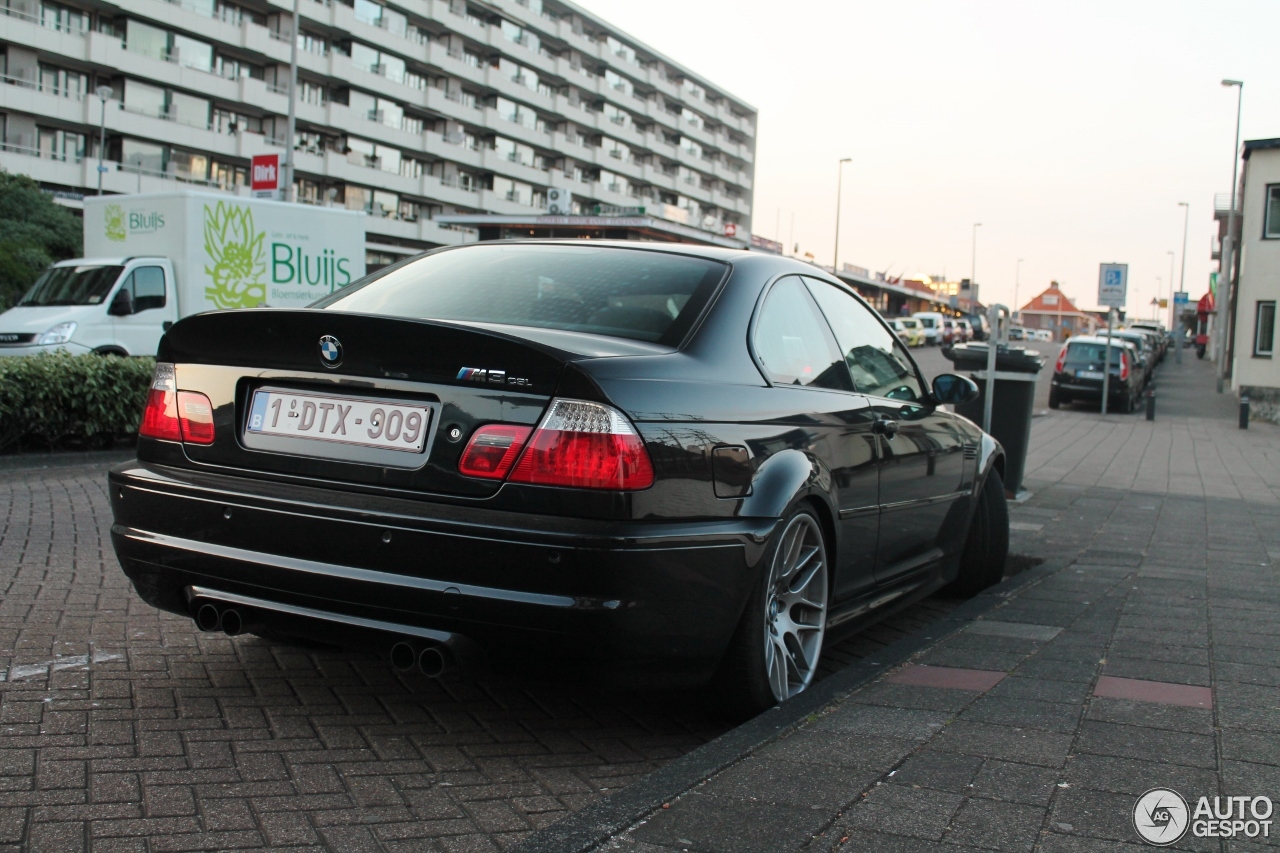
<point x="408" y="110"/>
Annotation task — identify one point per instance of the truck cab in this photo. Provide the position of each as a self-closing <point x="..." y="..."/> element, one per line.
<point x="111" y="306"/>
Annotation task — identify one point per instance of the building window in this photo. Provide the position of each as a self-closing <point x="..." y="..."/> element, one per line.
<point x="1264" y="329"/>
<point x="1272" y="228"/>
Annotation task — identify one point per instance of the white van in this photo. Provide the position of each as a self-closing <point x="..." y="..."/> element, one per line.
<point x="153" y="259"/>
<point x="931" y="322"/>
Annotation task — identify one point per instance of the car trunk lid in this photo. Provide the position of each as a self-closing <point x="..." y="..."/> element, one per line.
<point x="457" y="377"/>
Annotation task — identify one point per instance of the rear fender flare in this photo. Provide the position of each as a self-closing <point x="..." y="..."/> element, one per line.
<point x="781" y="481"/>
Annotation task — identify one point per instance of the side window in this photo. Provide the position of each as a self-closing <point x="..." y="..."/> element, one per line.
<point x="794" y="343"/>
<point x="148" y="288"/>
<point x="876" y="358"/>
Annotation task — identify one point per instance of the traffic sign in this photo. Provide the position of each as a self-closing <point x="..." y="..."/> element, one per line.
<point x="1113" y="284"/>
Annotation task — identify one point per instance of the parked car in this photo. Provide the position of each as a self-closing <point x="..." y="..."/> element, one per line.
<point x="1017" y="333"/>
<point x="908" y="331"/>
<point x="931" y="322"/>
<point x="652" y="458"/>
<point x="1146" y="353"/>
<point x="950" y="334"/>
<point x="1077" y="373"/>
<point x="1042" y="335"/>
<point x="964" y="332"/>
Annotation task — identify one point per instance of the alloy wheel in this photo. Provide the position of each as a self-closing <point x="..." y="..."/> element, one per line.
<point x="795" y="608"/>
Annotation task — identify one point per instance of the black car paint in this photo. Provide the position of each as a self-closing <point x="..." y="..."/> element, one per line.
<point x="653" y="577"/>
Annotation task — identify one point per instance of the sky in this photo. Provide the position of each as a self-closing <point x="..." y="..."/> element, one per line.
<point x="1069" y="130"/>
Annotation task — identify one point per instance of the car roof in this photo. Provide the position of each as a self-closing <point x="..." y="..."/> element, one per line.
<point x="1099" y="339"/>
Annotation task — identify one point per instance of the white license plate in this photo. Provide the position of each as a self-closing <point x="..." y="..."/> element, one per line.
<point x="369" y="423"/>
<point x="1088" y="374"/>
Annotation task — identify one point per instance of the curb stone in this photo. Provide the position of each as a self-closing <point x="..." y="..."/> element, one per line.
<point x="586" y="829"/>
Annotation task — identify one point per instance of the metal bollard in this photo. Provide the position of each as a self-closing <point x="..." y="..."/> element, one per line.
<point x="1151" y="404"/>
<point x="1244" y="411"/>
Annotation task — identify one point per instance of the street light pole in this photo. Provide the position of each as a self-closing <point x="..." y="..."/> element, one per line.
<point x="103" y="93"/>
<point x="292" y="126"/>
<point x="1017" y="278"/>
<point x="1228" y="245"/>
<point x="1182" y="278"/>
<point x="835" y="257"/>
<point x="1172" y="257"/>
<point x="973" y="261"/>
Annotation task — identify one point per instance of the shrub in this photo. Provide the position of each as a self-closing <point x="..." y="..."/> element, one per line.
<point x="54" y="399"/>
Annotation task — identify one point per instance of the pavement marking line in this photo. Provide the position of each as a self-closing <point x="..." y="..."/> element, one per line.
<point x="922" y="675"/>
<point x="1017" y="630"/>
<point x="1025" y="525"/>
<point x="56" y="665"/>
<point x="1162" y="692"/>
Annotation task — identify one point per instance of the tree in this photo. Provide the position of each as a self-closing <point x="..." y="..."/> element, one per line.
<point x="34" y="232"/>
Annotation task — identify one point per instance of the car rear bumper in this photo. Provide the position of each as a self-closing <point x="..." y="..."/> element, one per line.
<point x="1090" y="389"/>
<point x="637" y="595"/>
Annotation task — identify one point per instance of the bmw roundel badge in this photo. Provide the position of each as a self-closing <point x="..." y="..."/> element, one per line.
<point x="330" y="351"/>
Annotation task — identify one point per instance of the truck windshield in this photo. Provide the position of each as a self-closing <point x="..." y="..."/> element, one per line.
<point x="82" y="285"/>
<point x="602" y="290"/>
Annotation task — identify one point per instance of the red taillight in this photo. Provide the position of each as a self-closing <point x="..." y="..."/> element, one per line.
<point x="1124" y="366"/>
<point x="587" y="446"/>
<point x="195" y="414"/>
<point x="160" y="418"/>
<point x="1062" y="360"/>
<point x="492" y="450"/>
<point x="173" y="415"/>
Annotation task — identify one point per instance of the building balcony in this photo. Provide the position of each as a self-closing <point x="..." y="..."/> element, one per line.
<point x="437" y="190"/>
<point x="1222" y="206"/>
<point x="524" y="172"/>
<point x="18" y="28"/>
<point x="420" y="230"/>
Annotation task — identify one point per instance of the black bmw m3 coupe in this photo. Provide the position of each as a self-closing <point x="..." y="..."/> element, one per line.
<point x="649" y="458"/>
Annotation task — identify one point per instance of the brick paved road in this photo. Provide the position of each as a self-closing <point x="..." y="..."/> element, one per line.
<point x="122" y="728"/>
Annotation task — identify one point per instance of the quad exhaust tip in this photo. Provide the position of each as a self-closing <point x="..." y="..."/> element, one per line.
<point x="232" y="622"/>
<point x="432" y="661"/>
<point x="208" y="618"/>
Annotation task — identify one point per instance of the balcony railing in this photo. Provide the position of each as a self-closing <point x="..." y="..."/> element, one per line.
<point x="28" y="151"/>
<point x="40" y="21"/>
<point x="1222" y="205"/>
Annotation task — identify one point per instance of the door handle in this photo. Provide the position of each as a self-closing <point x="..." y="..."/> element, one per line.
<point x="886" y="427"/>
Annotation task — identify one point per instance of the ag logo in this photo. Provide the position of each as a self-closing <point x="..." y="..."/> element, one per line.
<point x="330" y="351"/>
<point x="1161" y="817"/>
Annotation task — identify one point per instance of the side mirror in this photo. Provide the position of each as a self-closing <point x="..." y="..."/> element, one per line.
<point x="122" y="305"/>
<point x="953" y="389"/>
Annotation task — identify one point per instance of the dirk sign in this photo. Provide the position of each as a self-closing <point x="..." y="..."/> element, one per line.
<point x="265" y="176"/>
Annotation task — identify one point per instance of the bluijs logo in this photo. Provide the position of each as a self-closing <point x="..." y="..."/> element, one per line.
<point x="236" y="253"/>
<point x="113" y="216"/>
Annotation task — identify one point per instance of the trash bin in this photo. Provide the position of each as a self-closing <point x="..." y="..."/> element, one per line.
<point x="1017" y="370"/>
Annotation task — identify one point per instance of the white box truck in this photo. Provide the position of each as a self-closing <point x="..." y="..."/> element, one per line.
<point x="153" y="259"/>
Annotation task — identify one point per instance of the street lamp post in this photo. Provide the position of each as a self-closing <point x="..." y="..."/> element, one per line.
<point x="292" y="120"/>
<point x="835" y="257"/>
<point x="1172" y="257"/>
<point x="1228" y="245"/>
<point x="103" y="93"/>
<point x="1017" y="278"/>
<point x="1182" y="278"/>
<point x="973" y="262"/>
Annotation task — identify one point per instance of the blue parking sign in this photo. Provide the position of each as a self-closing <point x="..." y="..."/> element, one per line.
<point x="1113" y="281"/>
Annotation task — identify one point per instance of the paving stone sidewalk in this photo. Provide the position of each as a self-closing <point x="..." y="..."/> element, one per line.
<point x="1143" y="654"/>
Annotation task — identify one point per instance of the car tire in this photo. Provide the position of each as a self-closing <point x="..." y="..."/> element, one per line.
<point x="1055" y="399"/>
<point x="760" y="668"/>
<point x="987" y="547"/>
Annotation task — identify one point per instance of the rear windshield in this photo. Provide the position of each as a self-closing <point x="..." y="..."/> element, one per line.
<point x="624" y="293"/>
<point x="82" y="285"/>
<point x="1092" y="353"/>
<point x="927" y="322"/>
